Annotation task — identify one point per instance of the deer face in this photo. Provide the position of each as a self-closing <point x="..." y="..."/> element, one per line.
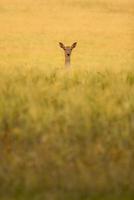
<point x="67" y="49"/>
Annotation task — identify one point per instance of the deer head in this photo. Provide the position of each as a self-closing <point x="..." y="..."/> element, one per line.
<point x="68" y="51"/>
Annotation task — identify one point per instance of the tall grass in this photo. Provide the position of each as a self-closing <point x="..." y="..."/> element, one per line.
<point x="66" y="134"/>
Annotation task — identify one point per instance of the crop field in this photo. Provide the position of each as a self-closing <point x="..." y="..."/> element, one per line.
<point x="66" y="134"/>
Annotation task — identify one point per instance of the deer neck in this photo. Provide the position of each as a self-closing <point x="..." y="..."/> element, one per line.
<point x="67" y="61"/>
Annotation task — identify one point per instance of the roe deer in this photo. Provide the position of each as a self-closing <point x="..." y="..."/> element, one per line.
<point x="68" y="51"/>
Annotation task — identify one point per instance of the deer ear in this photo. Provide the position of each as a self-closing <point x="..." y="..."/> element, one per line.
<point x="74" y="45"/>
<point x="62" y="45"/>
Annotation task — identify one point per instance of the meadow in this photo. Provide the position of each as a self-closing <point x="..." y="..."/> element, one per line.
<point x="66" y="133"/>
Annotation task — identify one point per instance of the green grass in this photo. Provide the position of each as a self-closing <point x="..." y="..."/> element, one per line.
<point x="66" y="134"/>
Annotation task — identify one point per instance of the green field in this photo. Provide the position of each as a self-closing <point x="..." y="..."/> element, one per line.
<point x="66" y="134"/>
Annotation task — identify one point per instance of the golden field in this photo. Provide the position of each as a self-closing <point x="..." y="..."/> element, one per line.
<point x="66" y="134"/>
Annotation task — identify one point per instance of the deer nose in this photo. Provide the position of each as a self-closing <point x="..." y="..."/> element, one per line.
<point x="68" y="54"/>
